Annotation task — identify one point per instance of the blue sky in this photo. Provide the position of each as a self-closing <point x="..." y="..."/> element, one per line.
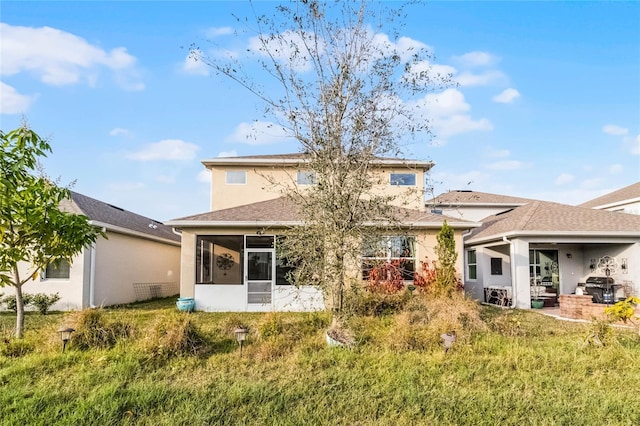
<point x="547" y="106"/>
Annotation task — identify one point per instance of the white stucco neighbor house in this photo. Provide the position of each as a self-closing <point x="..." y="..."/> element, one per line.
<point x="550" y="248"/>
<point x="139" y="259"/>
<point x="229" y="256"/>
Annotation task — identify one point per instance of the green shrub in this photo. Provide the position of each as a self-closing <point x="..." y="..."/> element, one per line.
<point x="14" y="348"/>
<point x="94" y="331"/>
<point x="11" y="304"/>
<point x="271" y="326"/>
<point x="44" y="301"/>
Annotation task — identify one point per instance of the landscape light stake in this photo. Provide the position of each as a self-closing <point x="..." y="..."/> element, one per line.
<point x="241" y="336"/>
<point x="448" y="340"/>
<point x="65" y="336"/>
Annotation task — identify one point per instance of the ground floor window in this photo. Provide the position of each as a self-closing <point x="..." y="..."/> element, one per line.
<point x="472" y="272"/>
<point x="57" y="270"/>
<point x="543" y="267"/>
<point x="399" y="251"/>
<point x="219" y="259"/>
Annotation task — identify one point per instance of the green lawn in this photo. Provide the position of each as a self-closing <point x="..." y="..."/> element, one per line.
<point x="524" y="368"/>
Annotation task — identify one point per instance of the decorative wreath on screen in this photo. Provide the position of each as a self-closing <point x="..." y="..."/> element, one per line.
<point x="225" y="262"/>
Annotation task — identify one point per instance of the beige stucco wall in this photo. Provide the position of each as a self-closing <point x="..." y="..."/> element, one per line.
<point x="425" y="249"/>
<point x="260" y="186"/>
<point x="123" y="260"/>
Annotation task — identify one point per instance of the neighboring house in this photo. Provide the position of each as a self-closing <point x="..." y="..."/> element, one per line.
<point x="229" y="260"/>
<point x="552" y="245"/>
<point x="473" y="205"/>
<point x="139" y="259"/>
<point x="626" y="200"/>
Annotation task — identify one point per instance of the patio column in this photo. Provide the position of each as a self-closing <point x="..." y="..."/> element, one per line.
<point x="520" y="268"/>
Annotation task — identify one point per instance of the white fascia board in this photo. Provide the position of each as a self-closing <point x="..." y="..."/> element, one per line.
<point x="228" y="224"/>
<point x="577" y="235"/>
<point x="121" y="230"/>
<point x="236" y="161"/>
<point x="617" y="204"/>
<point x="463" y="225"/>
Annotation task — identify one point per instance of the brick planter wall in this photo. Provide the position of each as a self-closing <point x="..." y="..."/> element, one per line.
<point x="580" y="307"/>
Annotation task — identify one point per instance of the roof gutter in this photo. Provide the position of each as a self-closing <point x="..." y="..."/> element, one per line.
<point x="121" y="230"/>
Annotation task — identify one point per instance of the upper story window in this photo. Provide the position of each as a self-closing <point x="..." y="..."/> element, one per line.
<point x="306" y="178"/>
<point x="57" y="270"/>
<point x="236" y="177"/>
<point x="403" y="179"/>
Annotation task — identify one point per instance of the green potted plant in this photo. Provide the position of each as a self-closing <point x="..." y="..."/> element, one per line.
<point x="536" y="300"/>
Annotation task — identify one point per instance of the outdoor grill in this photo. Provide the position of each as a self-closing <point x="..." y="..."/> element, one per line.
<point x="602" y="289"/>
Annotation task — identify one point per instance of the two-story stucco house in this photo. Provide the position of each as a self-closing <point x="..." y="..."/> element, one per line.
<point x="229" y="260"/>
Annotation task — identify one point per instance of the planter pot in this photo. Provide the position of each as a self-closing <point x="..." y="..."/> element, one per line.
<point x="537" y="304"/>
<point x="333" y="342"/>
<point x="186" y="304"/>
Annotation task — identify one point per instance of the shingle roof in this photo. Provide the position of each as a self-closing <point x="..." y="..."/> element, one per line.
<point x="466" y="197"/>
<point x="284" y="211"/>
<point x="548" y="218"/>
<point x="104" y="213"/>
<point x="627" y="193"/>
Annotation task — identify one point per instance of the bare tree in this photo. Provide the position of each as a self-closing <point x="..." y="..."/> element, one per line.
<point x="349" y="94"/>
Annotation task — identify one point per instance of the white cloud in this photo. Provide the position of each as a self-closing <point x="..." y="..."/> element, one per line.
<point x="483" y="79"/>
<point x="447" y="113"/>
<point x="169" y="149"/>
<point x="258" y="133"/>
<point x="193" y="65"/>
<point x="476" y="59"/>
<point x="508" y="165"/>
<point x="564" y="178"/>
<point x="204" y="176"/>
<point x="226" y="154"/>
<point x="218" y="31"/>
<point x="12" y="102"/>
<point x="507" y="96"/>
<point x="616" y="168"/>
<point x="614" y="130"/>
<point x="287" y="48"/>
<point x="60" y="58"/>
<point x="118" y="131"/>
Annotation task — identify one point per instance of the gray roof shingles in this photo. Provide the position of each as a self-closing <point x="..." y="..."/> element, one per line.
<point x="106" y="213"/>
<point x="464" y="197"/>
<point x="549" y="218"/>
<point x="622" y="194"/>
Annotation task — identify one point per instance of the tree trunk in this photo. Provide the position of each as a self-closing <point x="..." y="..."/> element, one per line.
<point x="19" y="305"/>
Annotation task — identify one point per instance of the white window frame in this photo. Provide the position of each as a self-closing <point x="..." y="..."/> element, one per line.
<point x="474" y="264"/>
<point x="396" y="182"/>
<point x="388" y="255"/>
<point x="232" y="177"/>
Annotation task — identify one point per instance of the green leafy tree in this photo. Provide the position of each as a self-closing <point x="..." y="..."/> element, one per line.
<point x="349" y="92"/>
<point x="34" y="231"/>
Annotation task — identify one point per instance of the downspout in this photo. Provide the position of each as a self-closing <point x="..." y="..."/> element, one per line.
<point x="512" y="268"/>
<point x="92" y="276"/>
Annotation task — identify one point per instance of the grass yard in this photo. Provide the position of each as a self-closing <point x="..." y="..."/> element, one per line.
<point x="519" y="368"/>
